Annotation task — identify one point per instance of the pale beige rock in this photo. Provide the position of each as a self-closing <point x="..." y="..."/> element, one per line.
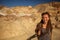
<point x="19" y="23"/>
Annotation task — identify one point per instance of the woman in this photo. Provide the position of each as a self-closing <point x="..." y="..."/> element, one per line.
<point x="44" y="27"/>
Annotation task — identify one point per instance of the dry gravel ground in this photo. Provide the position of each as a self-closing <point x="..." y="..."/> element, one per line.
<point x="56" y="36"/>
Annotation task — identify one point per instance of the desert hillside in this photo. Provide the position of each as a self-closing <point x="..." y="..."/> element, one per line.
<point x="19" y="22"/>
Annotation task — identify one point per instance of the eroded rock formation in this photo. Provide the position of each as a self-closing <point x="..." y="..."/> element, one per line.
<point x="19" y="23"/>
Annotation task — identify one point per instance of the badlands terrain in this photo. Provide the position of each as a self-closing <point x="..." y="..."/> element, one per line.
<point x="19" y="22"/>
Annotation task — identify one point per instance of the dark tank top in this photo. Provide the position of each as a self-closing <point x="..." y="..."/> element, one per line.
<point x="44" y="35"/>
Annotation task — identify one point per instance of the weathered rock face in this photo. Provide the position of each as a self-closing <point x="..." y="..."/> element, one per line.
<point x="11" y="26"/>
<point x="53" y="8"/>
<point x="19" y="23"/>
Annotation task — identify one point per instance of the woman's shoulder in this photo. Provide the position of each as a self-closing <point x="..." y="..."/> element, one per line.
<point x="39" y="24"/>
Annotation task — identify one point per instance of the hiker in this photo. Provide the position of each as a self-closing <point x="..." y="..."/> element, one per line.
<point x="44" y="27"/>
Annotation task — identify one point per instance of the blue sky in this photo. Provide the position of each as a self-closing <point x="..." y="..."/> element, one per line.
<point x="23" y="2"/>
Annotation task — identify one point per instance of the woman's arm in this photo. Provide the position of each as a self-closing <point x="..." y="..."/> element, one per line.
<point x="37" y="30"/>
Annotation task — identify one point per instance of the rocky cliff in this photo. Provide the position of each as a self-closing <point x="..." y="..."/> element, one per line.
<point x="19" y="23"/>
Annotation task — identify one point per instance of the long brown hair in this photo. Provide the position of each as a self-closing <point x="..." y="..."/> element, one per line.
<point x="49" y="25"/>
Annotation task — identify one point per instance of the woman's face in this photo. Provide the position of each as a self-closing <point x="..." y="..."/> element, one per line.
<point x="45" y="18"/>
